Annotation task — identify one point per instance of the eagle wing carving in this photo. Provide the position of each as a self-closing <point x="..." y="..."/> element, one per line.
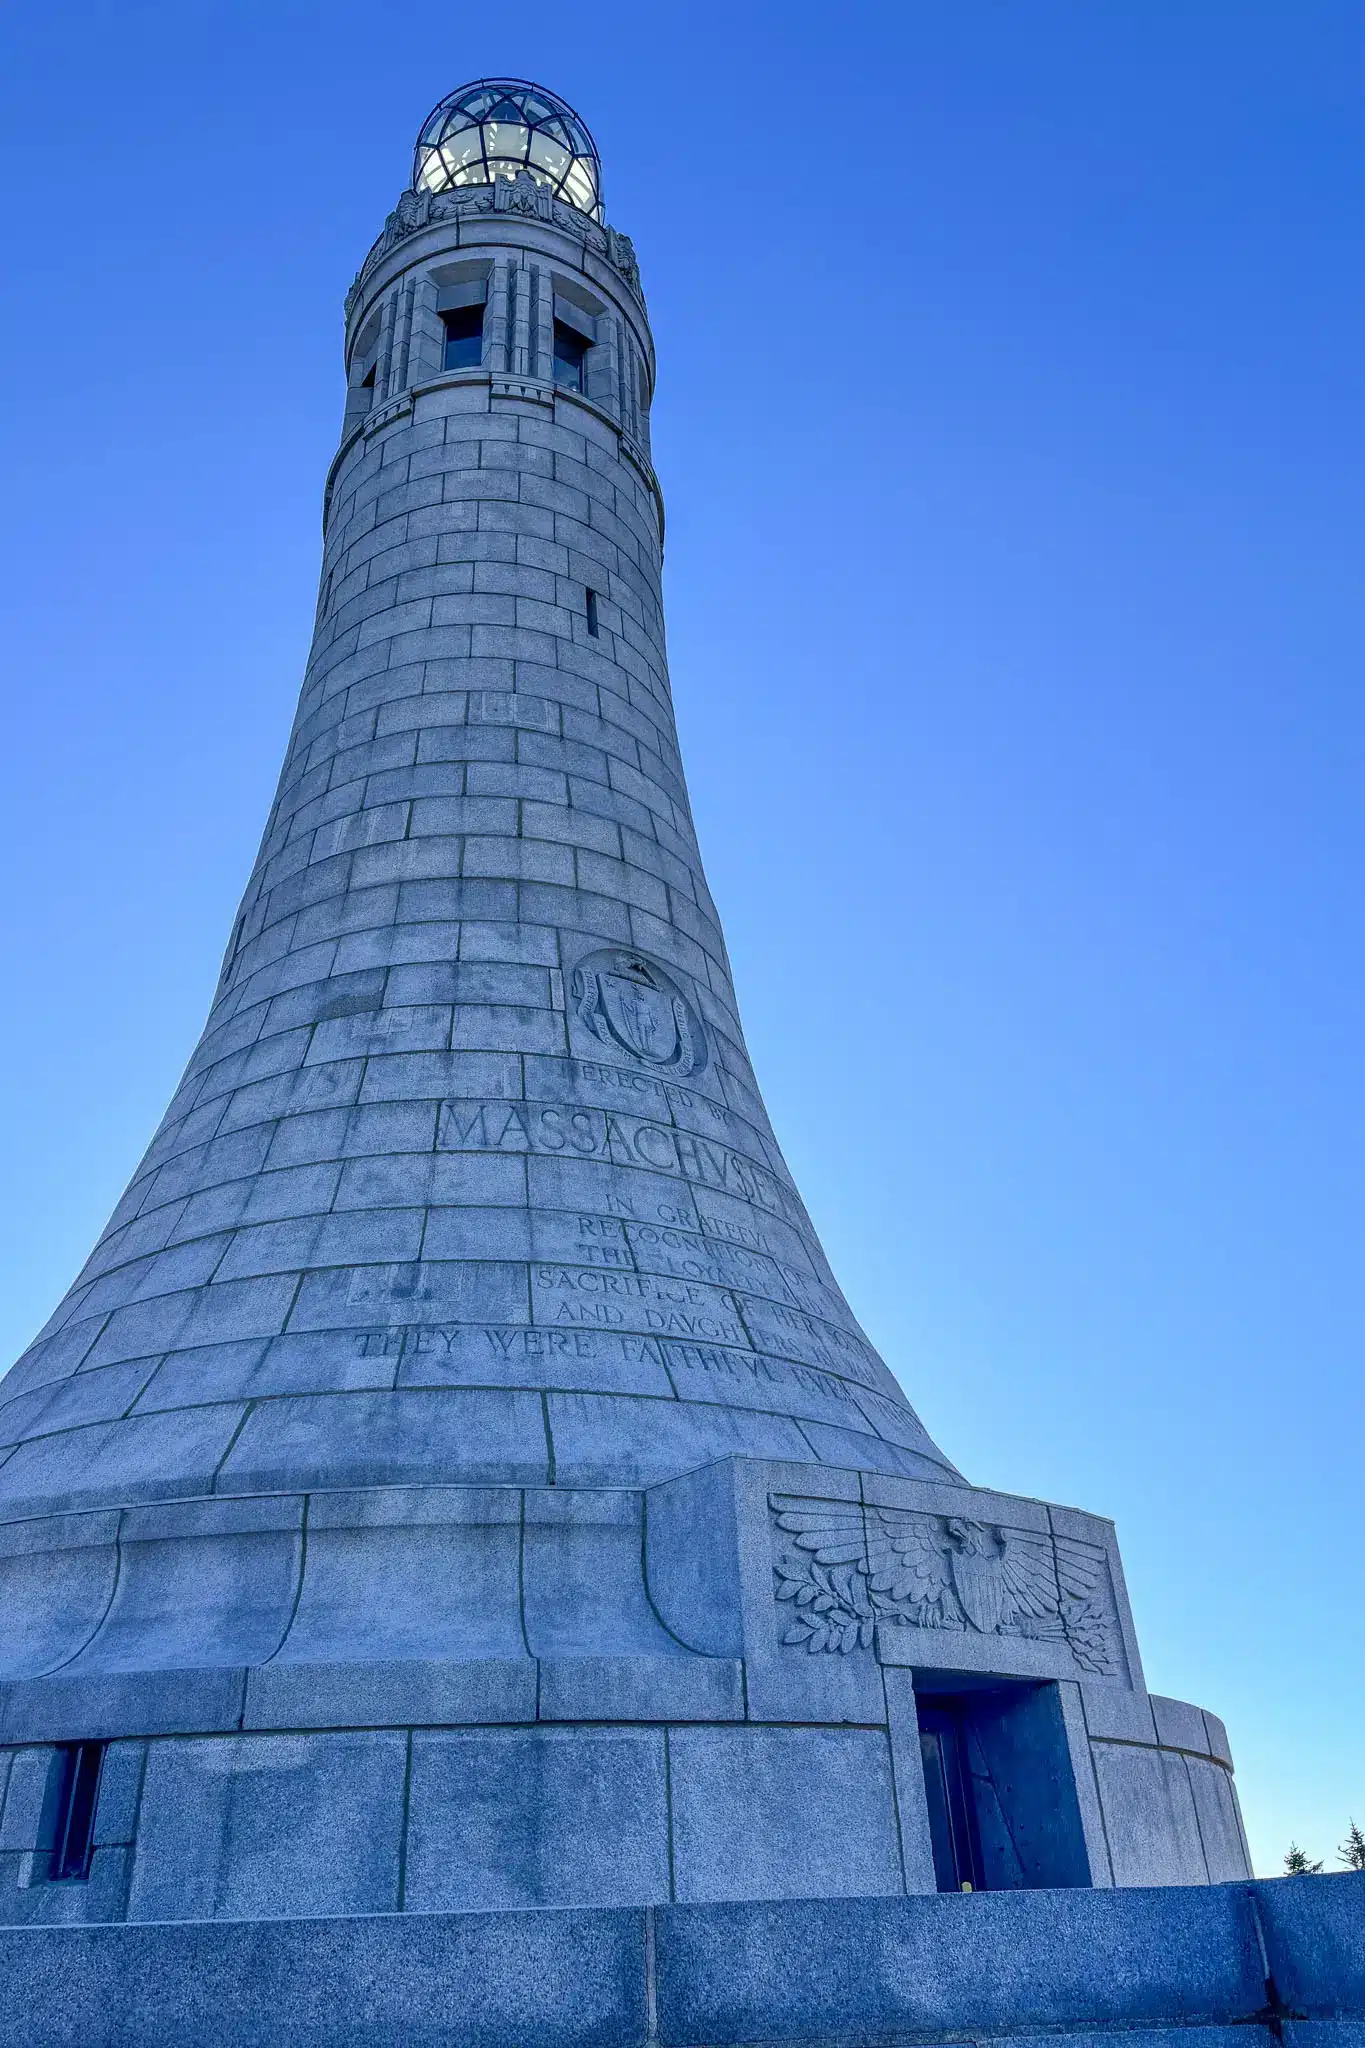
<point x="1083" y="1581"/>
<point x="1032" y="1602"/>
<point x="829" y="1531"/>
<point x="908" y="1566"/>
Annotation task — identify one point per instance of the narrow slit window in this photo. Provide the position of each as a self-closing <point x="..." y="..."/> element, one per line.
<point x="593" y="626"/>
<point x="367" y="384"/>
<point x="74" y="1837"/>
<point x="570" y="349"/>
<point x="464" y="338"/>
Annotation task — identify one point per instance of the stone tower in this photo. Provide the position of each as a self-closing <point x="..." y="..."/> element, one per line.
<point x="455" y="1479"/>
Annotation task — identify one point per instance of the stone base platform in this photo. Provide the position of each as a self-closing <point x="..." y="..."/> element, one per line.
<point x="459" y="1698"/>
<point x="1223" y="1966"/>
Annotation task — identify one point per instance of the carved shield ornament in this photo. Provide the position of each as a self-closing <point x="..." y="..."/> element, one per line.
<point x="976" y="1562"/>
<point x="631" y="1005"/>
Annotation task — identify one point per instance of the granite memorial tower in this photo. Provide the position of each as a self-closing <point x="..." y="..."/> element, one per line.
<point x="456" y="1480"/>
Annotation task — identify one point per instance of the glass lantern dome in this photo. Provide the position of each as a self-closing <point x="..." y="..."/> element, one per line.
<point x="499" y="126"/>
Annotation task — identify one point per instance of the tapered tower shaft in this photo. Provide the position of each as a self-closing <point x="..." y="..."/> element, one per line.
<point x="469" y="1177"/>
<point x="456" y="1482"/>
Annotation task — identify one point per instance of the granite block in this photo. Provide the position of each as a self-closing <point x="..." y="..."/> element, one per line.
<point x="89" y="1705"/>
<point x="1082" y="1774"/>
<point x="263" y="1826"/>
<point x="1111" y="1710"/>
<point x="200" y="1585"/>
<point x="935" y="1497"/>
<point x="1315" y="1941"/>
<point x="101" y="1395"/>
<point x="911" y="1798"/>
<point x="488" y="1980"/>
<point x="583" y="1588"/>
<point x="783" y="1813"/>
<point x="677" y="1688"/>
<point x="1149" y="1816"/>
<point x="606" y="1440"/>
<point x="377" y="1439"/>
<point x="376" y="1692"/>
<point x="1217" y="1735"/>
<point x="494" y="1355"/>
<point x="536" y="1817"/>
<point x="143" y="1458"/>
<point x="850" y="1448"/>
<point x="1220" y="1833"/>
<point x="1179" y="1725"/>
<point x="27" y="1799"/>
<point x="691" y="1559"/>
<point x="863" y="1970"/>
<point x="120" y="1790"/>
<point x="402" y="1573"/>
<point x="305" y="1363"/>
<point x="54" y="1591"/>
<point x="30" y="1897"/>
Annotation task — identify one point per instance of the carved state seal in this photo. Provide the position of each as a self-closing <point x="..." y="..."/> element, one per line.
<point x="631" y="1005"/>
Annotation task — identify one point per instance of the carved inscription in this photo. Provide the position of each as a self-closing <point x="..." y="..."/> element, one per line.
<point x="841" y="1569"/>
<point x="758" y="1381"/>
<point x="752" y="1371"/>
<point x="671" y="1308"/>
<point x="507" y="1346"/>
<point x="616" y="1139"/>
<point x="727" y="1262"/>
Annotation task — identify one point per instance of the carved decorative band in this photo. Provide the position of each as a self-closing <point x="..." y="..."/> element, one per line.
<point x="843" y="1570"/>
<point x="418" y="210"/>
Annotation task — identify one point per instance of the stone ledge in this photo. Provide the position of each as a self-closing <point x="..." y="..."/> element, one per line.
<point x="1014" y="1969"/>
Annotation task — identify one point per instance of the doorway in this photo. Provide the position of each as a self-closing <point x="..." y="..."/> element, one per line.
<point x="948" y="1790"/>
<point x="999" y="1786"/>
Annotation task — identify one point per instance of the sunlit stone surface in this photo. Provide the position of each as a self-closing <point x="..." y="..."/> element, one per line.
<point x="456" y="1481"/>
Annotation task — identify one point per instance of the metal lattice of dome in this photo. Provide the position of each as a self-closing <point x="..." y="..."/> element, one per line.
<point x="499" y="126"/>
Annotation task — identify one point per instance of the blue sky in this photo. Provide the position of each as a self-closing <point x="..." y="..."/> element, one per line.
<point x="1010" y="424"/>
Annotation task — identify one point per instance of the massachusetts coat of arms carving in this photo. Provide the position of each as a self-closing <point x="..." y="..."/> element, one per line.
<point x="631" y="1005"/>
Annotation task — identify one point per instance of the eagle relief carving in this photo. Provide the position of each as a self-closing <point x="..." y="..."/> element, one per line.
<point x="843" y="1569"/>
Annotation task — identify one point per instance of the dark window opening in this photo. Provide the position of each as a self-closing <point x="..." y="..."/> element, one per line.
<point x="593" y="627"/>
<point x="570" y="349"/>
<point x="77" y="1792"/>
<point x="464" y="338"/>
<point x="367" y="385"/>
<point x="952" y="1807"/>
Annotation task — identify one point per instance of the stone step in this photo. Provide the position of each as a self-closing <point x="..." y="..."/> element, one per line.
<point x="1219" y="1967"/>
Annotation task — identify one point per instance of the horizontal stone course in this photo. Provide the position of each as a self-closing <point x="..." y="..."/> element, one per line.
<point x="1180" y="1967"/>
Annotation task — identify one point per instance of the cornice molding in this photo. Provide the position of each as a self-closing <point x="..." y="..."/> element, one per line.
<point x="418" y="210"/>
